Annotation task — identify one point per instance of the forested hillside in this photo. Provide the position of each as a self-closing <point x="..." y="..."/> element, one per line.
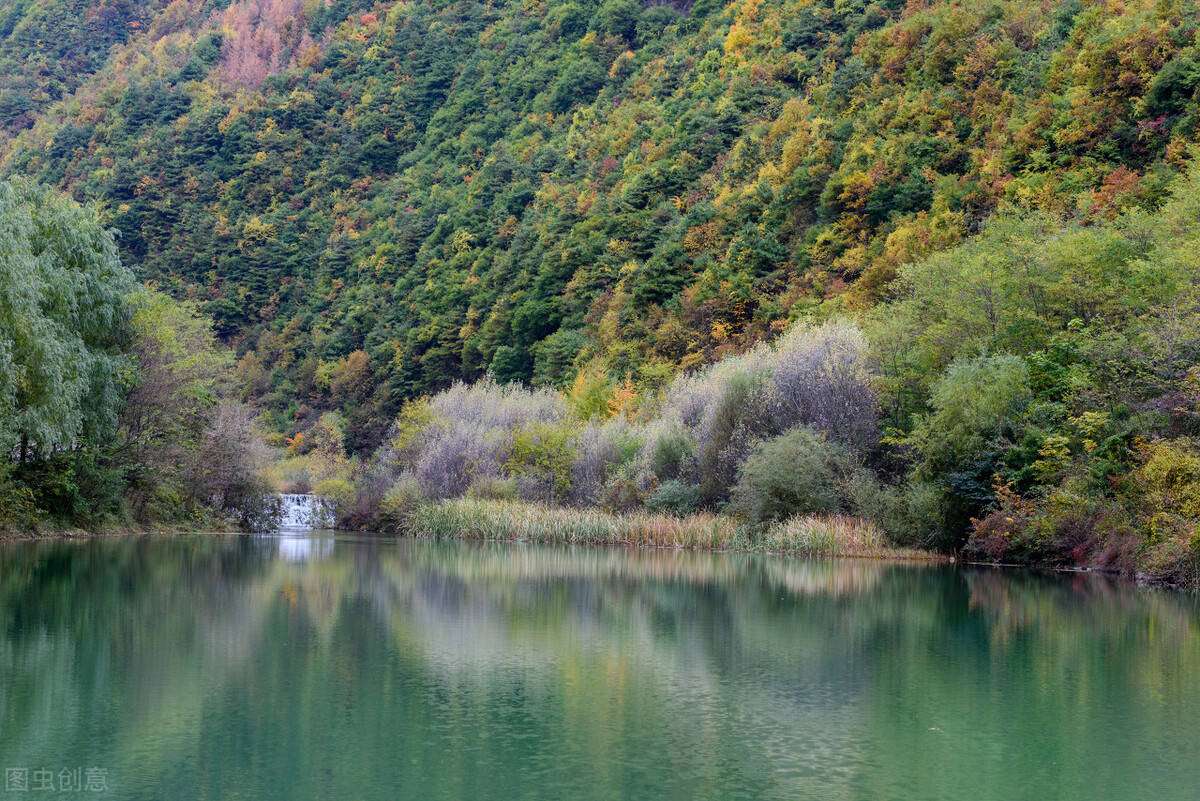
<point x="931" y="265"/>
<point x="48" y="48"/>
<point x="374" y="200"/>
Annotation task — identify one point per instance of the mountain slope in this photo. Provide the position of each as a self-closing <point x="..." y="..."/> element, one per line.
<point x="373" y="201"/>
<point x="49" y="47"/>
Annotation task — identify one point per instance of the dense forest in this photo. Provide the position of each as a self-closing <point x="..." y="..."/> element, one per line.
<point x="971" y="223"/>
<point x="375" y="201"/>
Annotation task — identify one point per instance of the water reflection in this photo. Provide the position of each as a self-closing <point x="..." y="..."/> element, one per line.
<point x="315" y="667"/>
<point x="304" y="547"/>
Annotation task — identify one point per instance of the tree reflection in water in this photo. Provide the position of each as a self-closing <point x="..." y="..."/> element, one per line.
<point x="315" y="667"/>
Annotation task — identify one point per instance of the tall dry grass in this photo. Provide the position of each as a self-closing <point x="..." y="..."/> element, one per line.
<point x="836" y="535"/>
<point x="516" y="521"/>
<point x="530" y="522"/>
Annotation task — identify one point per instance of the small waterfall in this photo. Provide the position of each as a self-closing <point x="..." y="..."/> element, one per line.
<point x="304" y="513"/>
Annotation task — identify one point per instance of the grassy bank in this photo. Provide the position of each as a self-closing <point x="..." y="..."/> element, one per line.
<point x="512" y="520"/>
<point x="46" y="531"/>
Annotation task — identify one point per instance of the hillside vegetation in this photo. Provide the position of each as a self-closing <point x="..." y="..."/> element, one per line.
<point x="1030" y="395"/>
<point x="377" y="200"/>
<point x="932" y="260"/>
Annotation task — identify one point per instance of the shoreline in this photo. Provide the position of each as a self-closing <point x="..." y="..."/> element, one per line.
<point x="117" y="531"/>
<point x="476" y="521"/>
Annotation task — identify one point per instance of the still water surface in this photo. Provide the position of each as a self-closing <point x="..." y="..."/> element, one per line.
<point x="322" y="667"/>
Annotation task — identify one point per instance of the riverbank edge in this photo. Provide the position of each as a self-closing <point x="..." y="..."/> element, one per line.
<point x="476" y="526"/>
<point x="54" y="533"/>
<point x="832" y="536"/>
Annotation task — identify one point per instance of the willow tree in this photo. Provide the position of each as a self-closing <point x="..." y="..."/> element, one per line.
<point x="64" y="323"/>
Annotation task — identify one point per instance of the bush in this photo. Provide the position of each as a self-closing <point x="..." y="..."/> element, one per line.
<point x="815" y="376"/>
<point x="338" y="494"/>
<point x="541" y="458"/>
<point x="465" y="433"/>
<point x="292" y="475"/>
<point x="1165" y="490"/>
<point x="870" y="499"/>
<point x="674" y="497"/>
<point x="400" y="503"/>
<point x="925" y="508"/>
<point x="602" y="450"/>
<point x="622" y="494"/>
<point x="671" y="453"/>
<point x="17" y="510"/>
<point x="490" y="488"/>
<point x="738" y="421"/>
<point x="961" y="444"/>
<point x="797" y="473"/>
<point x="824" y="381"/>
<point x="975" y="401"/>
<point x="254" y="505"/>
<point x="227" y="474"/>
<point x="1168" y="482"/>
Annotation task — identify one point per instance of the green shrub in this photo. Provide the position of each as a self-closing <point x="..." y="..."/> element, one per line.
<point x="669" y="452"/>
<point x="401" y="502"/>
<point x="253" y="504"/>
<point x="338" y="494"/>
<point x="732" y="428"/>
<point x="1165" y="490"/>
<point x="541" y="456"/>
<point x="603" y="450"/>
<point x="1070" y="526"/>
<point x="622" y="494"/>
<point x="870" y="499"/>
<point x="1169" y="482"/>
<point x="17" y="510"/>
<point x="796" y="473"/>
<point x="674" y="497"/>
<point x="972" y="402"/>
<point x="925" y="508"/>
<point x="491" y="488"/>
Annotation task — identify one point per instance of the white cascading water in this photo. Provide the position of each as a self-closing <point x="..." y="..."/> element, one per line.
<point x="304" y="513"/>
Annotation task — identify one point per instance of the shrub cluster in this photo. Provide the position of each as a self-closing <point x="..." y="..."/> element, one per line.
<point x="778" y="431"/>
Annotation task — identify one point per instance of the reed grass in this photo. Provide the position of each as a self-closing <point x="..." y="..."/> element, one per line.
<point x="835" y="535"/>
<point x="530" y="522"/>
<point x="473" y="518"/>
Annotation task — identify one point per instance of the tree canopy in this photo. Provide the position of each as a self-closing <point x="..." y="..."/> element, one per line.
<point x="64" y="322"/>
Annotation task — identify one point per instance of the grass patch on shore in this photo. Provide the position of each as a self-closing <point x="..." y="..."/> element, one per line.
<point x="836" y="535"/>
<point x="472" y="518"/>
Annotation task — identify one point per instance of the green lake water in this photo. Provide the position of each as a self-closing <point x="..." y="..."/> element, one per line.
<point x="323" y="667"/>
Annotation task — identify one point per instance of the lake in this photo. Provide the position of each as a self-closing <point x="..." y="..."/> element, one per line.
<point x="317" y="666"/>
